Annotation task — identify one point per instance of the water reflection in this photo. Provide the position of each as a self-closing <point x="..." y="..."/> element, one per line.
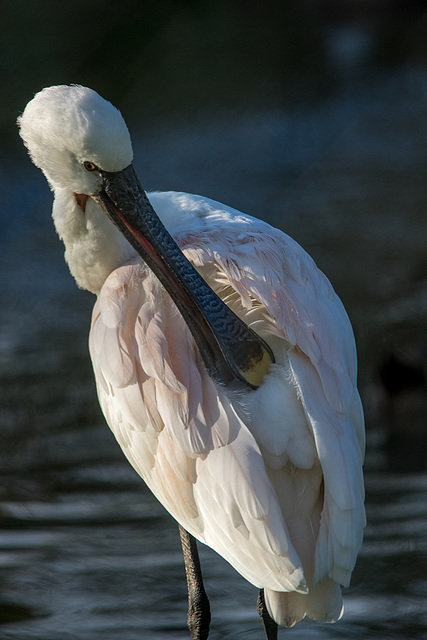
<point x="85" y="550"/>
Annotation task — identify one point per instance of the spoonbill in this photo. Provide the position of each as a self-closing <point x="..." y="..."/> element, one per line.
<point x="224" y="361"/>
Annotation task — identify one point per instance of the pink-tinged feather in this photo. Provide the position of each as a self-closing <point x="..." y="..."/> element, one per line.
<point x="271" y="479"/>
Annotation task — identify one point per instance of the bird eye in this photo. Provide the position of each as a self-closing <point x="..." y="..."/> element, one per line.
<point x="90" y="166"/>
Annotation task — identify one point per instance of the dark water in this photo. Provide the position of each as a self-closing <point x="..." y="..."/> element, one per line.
<point x="85" y="551"/>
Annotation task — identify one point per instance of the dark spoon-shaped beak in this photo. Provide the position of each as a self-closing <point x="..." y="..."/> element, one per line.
<point x="233" y="354"/>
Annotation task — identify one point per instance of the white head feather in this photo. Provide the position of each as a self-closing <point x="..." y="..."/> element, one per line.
<point x="63" y="127"/>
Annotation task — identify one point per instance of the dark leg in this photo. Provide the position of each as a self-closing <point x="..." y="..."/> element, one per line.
<point x="271" y="628"/>
<point x="199" y="613"/>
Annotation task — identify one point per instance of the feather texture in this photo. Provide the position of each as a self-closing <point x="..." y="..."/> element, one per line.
<point x="272" y="480"/>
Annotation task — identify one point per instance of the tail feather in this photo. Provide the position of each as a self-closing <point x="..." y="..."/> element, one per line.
<point x="323" y="603"/>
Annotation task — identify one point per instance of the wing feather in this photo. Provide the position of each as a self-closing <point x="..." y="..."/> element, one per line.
<point x="267" y="267"/>
<point x="184" y="436"/>
<point x="272" y="481"/>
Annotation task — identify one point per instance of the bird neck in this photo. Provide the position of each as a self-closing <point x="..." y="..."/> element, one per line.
<point x="93" y="245"/>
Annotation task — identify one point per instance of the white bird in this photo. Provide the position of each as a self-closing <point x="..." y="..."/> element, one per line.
<point x="243" y="418"/>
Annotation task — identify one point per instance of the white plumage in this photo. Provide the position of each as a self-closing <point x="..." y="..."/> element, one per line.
<point x="271" y="478"/>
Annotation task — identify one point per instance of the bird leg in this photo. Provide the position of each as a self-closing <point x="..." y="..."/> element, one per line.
<point x="271" y="627"/>
<point x="199" y="614"/>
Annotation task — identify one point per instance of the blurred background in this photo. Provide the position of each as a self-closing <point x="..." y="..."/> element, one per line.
<point x="310" y="114"/>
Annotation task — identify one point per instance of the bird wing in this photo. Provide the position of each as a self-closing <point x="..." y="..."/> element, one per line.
<point x="182" y="434"/>
<point x="263" y="264"/>
<point x="197" y="449"/>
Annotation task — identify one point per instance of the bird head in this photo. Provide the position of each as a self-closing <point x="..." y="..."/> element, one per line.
<point x="69" y="131"/>
<point x="71" y="134"/>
